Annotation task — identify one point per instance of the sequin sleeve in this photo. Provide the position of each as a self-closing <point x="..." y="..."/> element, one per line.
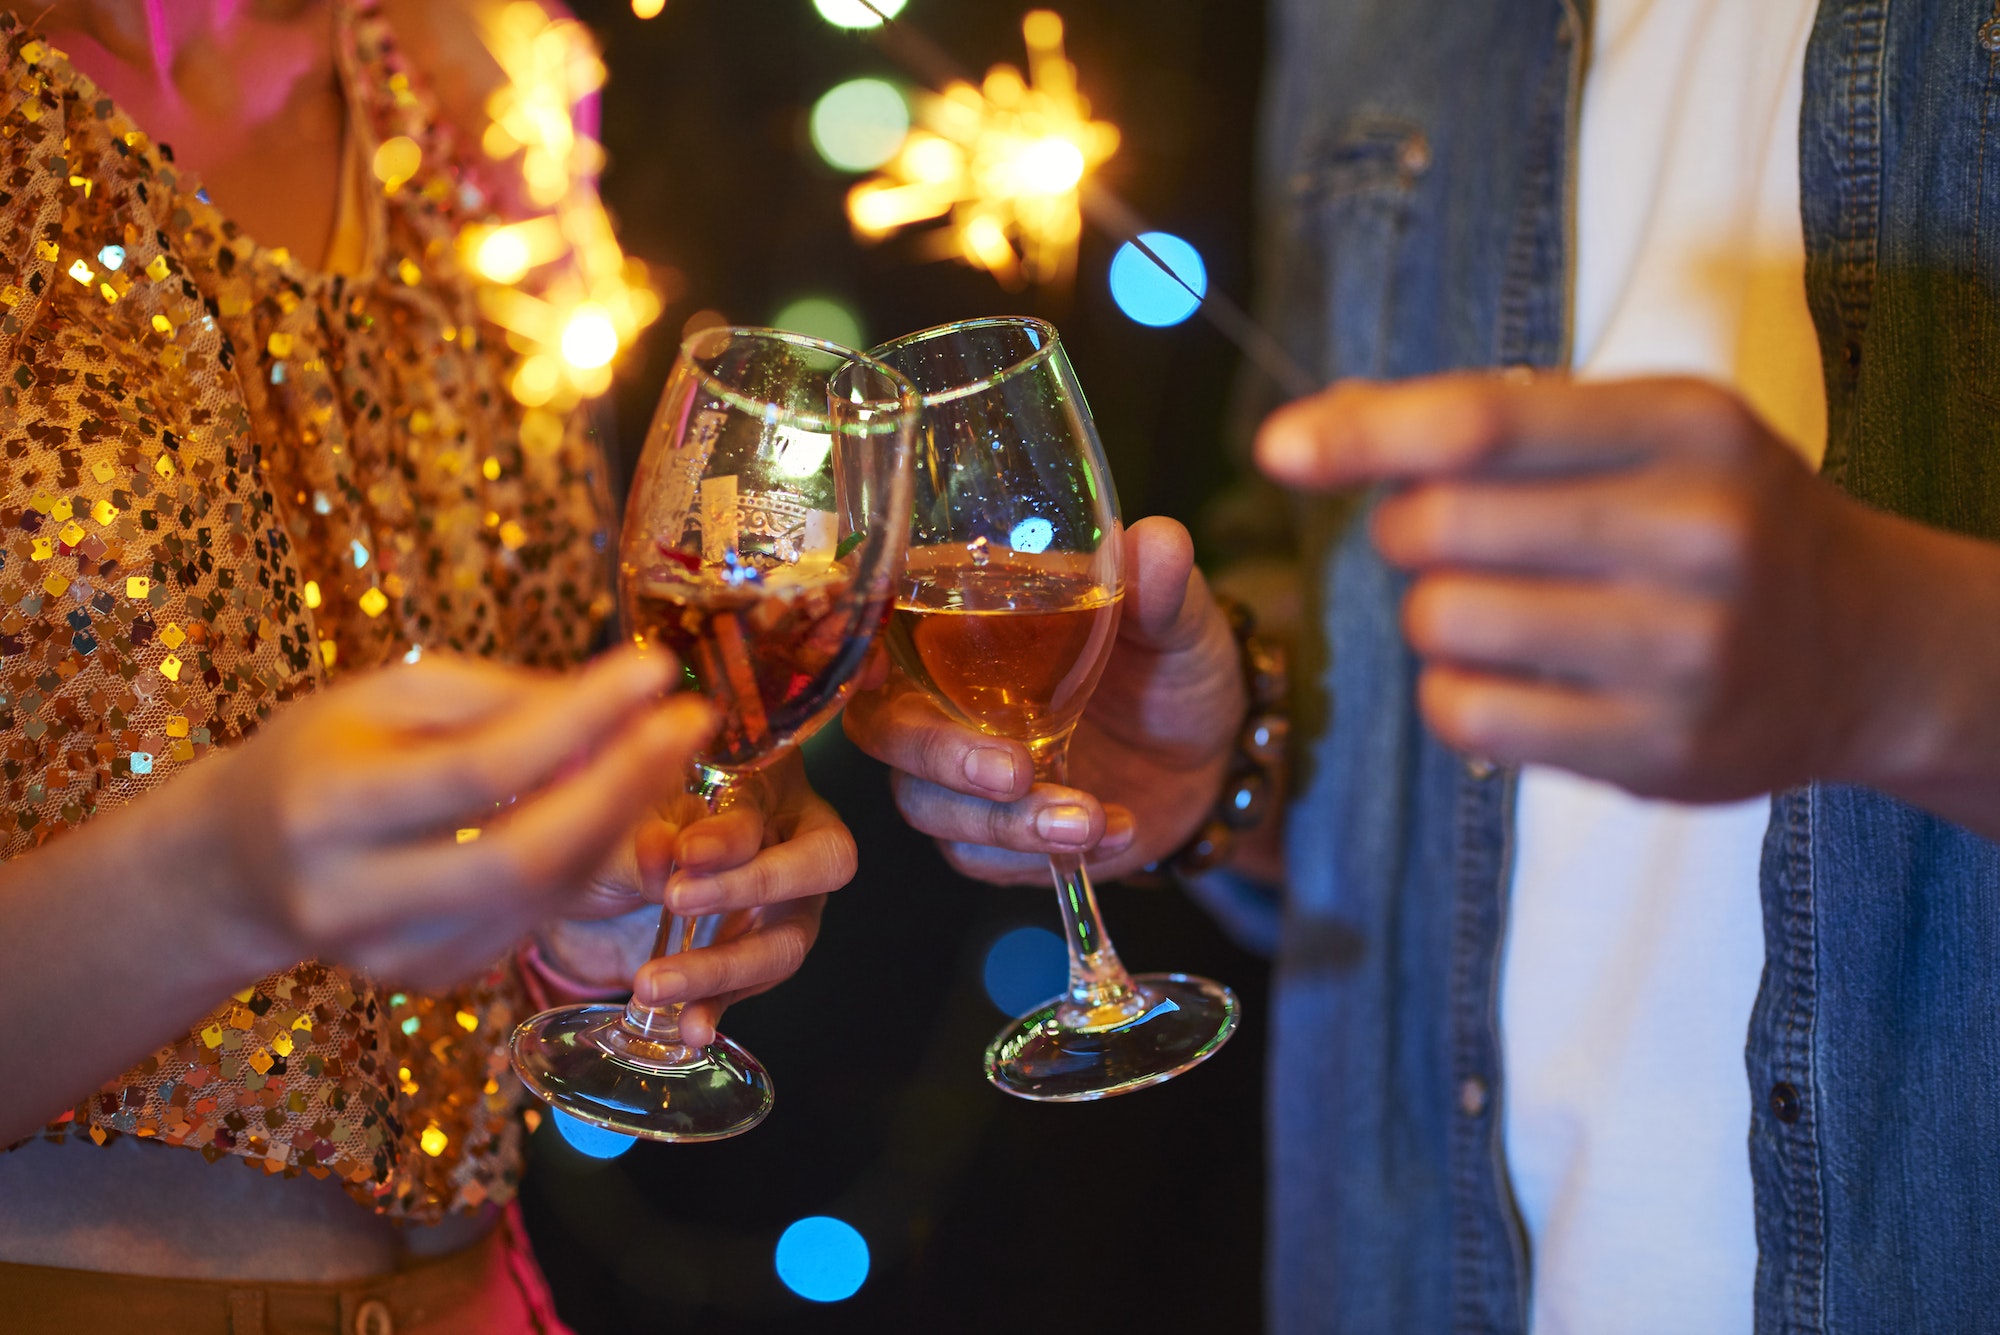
<point x="226" y="480"/>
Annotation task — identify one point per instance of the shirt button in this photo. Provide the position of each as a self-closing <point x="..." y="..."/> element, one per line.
<point x="1479" y="768"/>
<point x="1472" y="1096"/>
<point x="1785" y="1104"/>
<point x="1850" y="353"/>
<point x="372" y="1318"/>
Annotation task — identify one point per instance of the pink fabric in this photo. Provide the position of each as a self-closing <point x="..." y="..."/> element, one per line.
<point x="548" y="986"/>
<point x="539" y="1306"/>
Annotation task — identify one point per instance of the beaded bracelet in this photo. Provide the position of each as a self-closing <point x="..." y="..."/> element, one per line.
<point x="1260" y="750"/>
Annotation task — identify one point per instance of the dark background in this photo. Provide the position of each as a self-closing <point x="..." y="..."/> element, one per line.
<point x="981" y="1213"/>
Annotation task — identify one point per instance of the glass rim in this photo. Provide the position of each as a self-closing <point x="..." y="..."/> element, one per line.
<point x="984" y="383"/>
<point x="907" y="400"/>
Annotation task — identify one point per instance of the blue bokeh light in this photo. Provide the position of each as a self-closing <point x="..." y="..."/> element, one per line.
<point x="594" y="1141"/>
<point x="1024" y="968"/>
<point x="1031" y="535"/>
<point x="1149" y="296"/>
<point x="823" y="1258"/>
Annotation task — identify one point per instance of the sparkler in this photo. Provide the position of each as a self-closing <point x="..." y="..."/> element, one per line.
<point x="1006" y="160"/>
<point x="1094" y="200"/>
<point x="588" y="301"/>
<point x="1009" y="161"/>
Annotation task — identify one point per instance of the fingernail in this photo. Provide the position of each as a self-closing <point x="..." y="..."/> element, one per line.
<point x="1063" y="825"/>
<point x="990" y="768"/>
<point x="1117" y="835"/>
<point x="698" y="850"/>
<point x="657" y="989"/>
<point x="689" y="895"/>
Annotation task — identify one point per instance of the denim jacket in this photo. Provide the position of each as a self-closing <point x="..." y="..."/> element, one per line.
<point x="1418" y="162"/>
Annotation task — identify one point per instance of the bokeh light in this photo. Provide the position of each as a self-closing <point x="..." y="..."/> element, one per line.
<point x="1031" y="535"/>
<point x="821" y="317"/>
<point x="823" y="1258"/>
<point x="594" y="1141"/>
<point x="854" y="14"/>
<point x="1024" y="968"/>
<point x="860" y="124"/>
<point x="648" y="9"/>
<point x="1149" y="296"/>
<point x="589" y="340"/>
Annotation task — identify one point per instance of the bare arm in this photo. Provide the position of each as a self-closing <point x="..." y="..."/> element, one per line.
<point x="330" y="835"/>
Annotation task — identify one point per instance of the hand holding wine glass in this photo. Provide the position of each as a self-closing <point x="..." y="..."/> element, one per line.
<point x="1005" y="618"/>
<point x="765" y="526"/>
<point x="1153" y="747"/>
<point x="766" y="868"/>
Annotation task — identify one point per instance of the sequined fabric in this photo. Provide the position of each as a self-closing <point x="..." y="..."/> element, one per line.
<point x="225" y="480"/>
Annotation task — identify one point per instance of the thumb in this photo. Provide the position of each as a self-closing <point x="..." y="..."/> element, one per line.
<point x="1165" y="596"/>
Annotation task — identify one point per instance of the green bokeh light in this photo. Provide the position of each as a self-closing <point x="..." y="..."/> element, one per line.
<point x="859" y="125"/>
<point x="821" y="317"/>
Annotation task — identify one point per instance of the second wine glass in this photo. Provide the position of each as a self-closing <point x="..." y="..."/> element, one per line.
<point x="767" y="523"/>
<point x="1006" y="616"/>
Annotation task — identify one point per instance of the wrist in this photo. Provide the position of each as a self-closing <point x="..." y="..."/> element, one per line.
<point x="1248" y="774"/>
<point x="208" y="845"/>
<point x="1923" y="644"/>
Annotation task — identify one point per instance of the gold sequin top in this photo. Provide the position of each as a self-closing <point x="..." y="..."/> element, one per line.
<point x="226" y="479"/>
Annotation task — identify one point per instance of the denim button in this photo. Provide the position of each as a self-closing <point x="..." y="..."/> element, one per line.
<point x="1472" y="1096"/>
<point x="1785" y="1102"/>
<point x="1989" y="34"/>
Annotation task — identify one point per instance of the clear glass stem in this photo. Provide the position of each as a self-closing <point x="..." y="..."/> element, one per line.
<point x="653" y="1033"/>
<point x="1101" y="993"/>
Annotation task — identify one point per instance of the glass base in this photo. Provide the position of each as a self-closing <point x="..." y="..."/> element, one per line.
<point x="1062" y="1053"/>
<point x="586" y="1062"/>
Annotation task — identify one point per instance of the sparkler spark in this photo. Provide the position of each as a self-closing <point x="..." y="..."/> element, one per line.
<point x="588" y="300"/>
<point x="1005" y="161"/>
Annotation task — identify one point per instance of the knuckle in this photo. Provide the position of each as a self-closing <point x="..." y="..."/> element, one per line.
<point x="969" y="860"/>
<point x="1693" y="650"/>
<point x="521" y="868"/>
<point x="1456" y="713"/>
<point x="1427" y="614"/>
<point x="785" y="948"/>
<point x="299" y="811"/>
<point x="840" y="860"/>
<point x="1419" y="527"/>
<point x="1716" y="539"/>
<point x="939" y="755"/>
<point x="916" y="799"/>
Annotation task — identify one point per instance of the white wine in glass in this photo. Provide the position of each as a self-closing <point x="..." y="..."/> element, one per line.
<point x="1006" y="615"/>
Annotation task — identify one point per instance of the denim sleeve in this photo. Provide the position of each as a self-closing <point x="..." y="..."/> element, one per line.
<point x="1247" y="910"/>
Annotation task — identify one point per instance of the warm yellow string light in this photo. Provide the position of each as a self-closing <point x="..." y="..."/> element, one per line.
<point x="570" y="328"/>
<point x="1005" y="160"/>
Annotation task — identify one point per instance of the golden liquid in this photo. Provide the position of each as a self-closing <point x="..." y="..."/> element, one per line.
<point x="1013" y="649"/>
<point x="777" y="661"/>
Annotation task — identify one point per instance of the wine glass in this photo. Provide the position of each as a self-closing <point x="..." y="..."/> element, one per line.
<point x="1005" y="615"/>
<point x="766" y="526"/>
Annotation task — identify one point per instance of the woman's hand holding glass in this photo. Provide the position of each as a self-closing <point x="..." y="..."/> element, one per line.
<point x="360" y="825"/>
<point x="337" y="832"/>
<point x="766" y="866"/>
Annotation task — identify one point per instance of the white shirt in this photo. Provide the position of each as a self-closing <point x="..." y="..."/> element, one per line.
<point x="1635" y="937"/>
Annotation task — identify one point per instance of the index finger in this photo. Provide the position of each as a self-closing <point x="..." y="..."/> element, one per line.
<point x="906" y="731"/>
<point x="1360" y="432"/>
